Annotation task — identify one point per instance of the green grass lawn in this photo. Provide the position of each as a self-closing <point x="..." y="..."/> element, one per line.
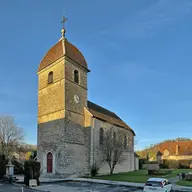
<point x="135" y="176"/>
<point x="139" y="176"/>
<point x="184" y="183"/>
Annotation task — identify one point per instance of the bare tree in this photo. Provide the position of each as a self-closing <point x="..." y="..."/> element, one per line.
<point x="136" y="141"/>
<point x="11" y="135"/>
<point x="113" y="147"/>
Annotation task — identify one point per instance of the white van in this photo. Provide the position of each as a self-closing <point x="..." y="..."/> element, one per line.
<point x="157" y="185"/>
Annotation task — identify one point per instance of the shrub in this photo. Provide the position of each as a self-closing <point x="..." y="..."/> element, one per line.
<point x="141" y="162"/>
<point x="151" y="172"/>
<point x="188" y="177"/>
<point x="152" y="162"/>
<point x="3" y="163"/>
<point x="31" y="171"/>
<point x="159" y="172"/>
<point x="174" y="164"/>
<point x="171" y="164"/>
<point x="34" y="154"/>
<point x="163" y="166"/>
<point x="18" y="167"/>
<point x="94" y="170"/>
<point x="184" y="164"/>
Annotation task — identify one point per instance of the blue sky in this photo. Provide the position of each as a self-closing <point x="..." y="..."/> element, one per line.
<point x="139" y="54"/>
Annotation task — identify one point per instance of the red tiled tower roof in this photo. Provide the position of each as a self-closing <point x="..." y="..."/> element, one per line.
<point x="60" y="49"/>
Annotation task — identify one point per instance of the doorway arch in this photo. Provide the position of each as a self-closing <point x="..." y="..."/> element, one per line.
<point x="49" y="162"/>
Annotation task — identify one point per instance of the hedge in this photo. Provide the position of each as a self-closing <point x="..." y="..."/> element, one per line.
<point x="141" y="162"/>
<point x="184" y="164"/>
<point x="18" y="167"/>
<point x="159" y="172"/>
<point x="31" y="171"/>
<point x="3" y="163"/>
<point x="175" y="164"/>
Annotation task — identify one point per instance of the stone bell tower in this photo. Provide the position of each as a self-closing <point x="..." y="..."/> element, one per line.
<point x="62" y="83"/>
<point x="62" y="96"/>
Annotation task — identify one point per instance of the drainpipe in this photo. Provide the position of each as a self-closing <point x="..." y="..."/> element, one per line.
<point x="93" y="140"/>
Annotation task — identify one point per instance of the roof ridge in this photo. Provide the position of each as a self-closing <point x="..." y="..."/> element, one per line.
<point x="106" y="115"/>
<point x="104" y="108"/>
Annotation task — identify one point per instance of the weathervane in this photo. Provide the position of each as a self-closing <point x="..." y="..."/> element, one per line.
<point x="64" y="19"/>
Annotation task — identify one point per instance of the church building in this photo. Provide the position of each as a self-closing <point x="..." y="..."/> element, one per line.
<point x="70" y="126"/>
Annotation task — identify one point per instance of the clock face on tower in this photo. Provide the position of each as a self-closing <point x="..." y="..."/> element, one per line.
<point x="76" y="98"/>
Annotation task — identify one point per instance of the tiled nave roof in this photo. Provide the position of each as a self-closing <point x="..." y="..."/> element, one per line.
<point x="106" y="115"/>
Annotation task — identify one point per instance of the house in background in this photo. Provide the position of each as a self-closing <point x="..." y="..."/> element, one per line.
<point x="176" y="150"/>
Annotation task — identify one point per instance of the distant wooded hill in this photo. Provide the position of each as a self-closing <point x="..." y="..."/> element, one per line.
<point x="24" y="151"/>
<point x="151" y="151"/>
<point x="26" y="147"/>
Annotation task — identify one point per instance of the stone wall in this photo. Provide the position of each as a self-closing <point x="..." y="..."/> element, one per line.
<point x="125" y="166"/>
<point x="51" y="97"/>
<point x="179" y="157"/>
<point x="56" y="100"/>
<point x="70" y="145"/>
<point x="151" y="166"/>
<point x="75" y="111"/>
<point x="70" y="66"/>
<point x="128" y="163"/>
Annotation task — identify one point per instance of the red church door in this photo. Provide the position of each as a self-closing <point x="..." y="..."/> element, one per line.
<point x="49" y="162"/>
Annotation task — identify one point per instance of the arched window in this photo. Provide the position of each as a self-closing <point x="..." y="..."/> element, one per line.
<point x="76" y="76"/>
<point x="50" y="77"/>
<point x="125" y="141"/>
<point x="49" y="162"/>
<point x="101" y="136"/>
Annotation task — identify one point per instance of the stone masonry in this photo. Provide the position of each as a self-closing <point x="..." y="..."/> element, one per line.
<point x="69" y="143"/>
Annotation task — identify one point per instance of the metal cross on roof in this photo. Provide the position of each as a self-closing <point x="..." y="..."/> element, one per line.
<point x="64" y="19"/>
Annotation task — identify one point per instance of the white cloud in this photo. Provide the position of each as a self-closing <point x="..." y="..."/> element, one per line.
<point x="154" y="17"/>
